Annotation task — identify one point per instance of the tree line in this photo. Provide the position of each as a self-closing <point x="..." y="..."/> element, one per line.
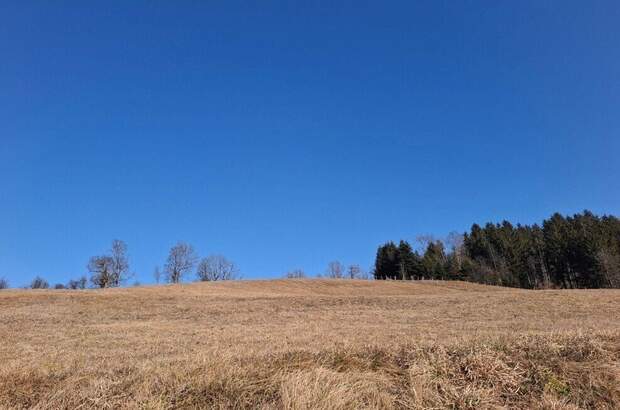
<point x="579" y="251"/>
<point x="334" y="270"/>
<point x="112" y="269"/>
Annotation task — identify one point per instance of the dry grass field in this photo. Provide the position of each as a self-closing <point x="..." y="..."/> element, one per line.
<point x="306" y="344"/>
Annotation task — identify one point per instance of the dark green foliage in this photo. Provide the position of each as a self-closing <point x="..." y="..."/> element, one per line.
<point x="398" y="262"/>
<point x="435" y="261"/>
<point x="582" y="251"/>
<point x="409" y="262"/>
<point x="387" y="262"/>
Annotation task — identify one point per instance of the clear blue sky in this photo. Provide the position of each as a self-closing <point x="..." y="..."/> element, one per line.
<point x="288" y="134"/>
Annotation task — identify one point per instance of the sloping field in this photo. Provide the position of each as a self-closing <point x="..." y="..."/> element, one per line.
<point x="310" y="344"/>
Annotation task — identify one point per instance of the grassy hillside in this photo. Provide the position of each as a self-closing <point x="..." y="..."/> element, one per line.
<point x="304" y="344"/>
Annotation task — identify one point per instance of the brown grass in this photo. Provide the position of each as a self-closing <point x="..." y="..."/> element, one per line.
<point x="308" y="344"/>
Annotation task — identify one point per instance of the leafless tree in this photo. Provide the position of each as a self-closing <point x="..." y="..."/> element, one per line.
<point x="39" y="283"/>
<point x="101" y="271"/>
<point x="59" y="286"/>
<point x="110" y="270"/>
<point x="354" y="272"/>
<point x="335" y="270"/>
<point x="120" y="263"/>
<point x="4" y="284"/>
<point x="181" y="261"/>
<point x="157" y="274"/>
<point x="216" y="267"/>
<point x="610" y="267"/>
<point x="295" y="274"/>
<point x="425" y="240"/>
<point x="77" y="283"/>
<point x="455" y="241"/>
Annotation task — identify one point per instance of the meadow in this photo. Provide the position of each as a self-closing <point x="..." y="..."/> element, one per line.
<point x="310" y="344"/>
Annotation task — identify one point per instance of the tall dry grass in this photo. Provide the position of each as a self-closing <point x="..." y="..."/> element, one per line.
<point x="310" y="345"/>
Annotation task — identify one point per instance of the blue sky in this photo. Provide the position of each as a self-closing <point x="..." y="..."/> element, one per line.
<point x="288" y="134"/>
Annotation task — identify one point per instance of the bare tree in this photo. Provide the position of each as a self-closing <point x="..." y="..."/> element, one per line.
<point x="455" y="241"/>
<point x="354" y="272"/>
<point x="157" y="274"/>
<point x="295" y="274"/>
<point x="77" y="283"/>
<point x="100" y="268"/>
<point x="216" y="267"/>
<point x="335" y="270"/>
<point x="110" y="270"/>
<point x="610" y="267"/>
<point x="39" y="283"/>
<point x="59" y="286"/>
<point x="4" y="284"/>
<point x="425" y="240"/>
<point x="73" y="284"/>
<point x="181" y="261"/>
<point x="120" y="263"/>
